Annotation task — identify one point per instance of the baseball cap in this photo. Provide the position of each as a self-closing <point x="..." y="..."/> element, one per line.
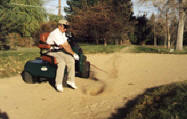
<point x="63" y="22"/>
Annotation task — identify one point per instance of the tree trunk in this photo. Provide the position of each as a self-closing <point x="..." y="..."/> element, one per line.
<point x="168" y="32"/>
<point x="116" y="42"/>
<point x="169" y="40"/>
<point x="165" y="41"/>
<point x="105" y="42"/>
<point x="168" y="37"/>
<point x="121" y="42"/>
<point x="173" y="43"/>
<point x="97" y="41"/>
<point x="155" y="39"/>
<point x="179" y="45"/>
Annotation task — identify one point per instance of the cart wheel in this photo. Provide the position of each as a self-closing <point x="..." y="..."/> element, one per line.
<point x="86" y="70"/>
<point x="27" y="77"/>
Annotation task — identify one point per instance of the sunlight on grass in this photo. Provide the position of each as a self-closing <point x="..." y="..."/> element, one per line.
<point x="159" y="50"/>
<point x="101" y="48"/>
<point x="12" y="61"/>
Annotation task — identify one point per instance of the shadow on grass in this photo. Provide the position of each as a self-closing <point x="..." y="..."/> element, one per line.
<point x="128" y="107"/>
<point x="3" y="115"/>
<point x="163" y="102"/>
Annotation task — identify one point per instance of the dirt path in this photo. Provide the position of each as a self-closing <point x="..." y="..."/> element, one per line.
<point x="117" y="78"/>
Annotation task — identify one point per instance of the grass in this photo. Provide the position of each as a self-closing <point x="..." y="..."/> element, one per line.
<point x="159" y="50"/>
<point x="100" y="48"/>
<point x="165" y="102"/>
<point x="12" y="61"/>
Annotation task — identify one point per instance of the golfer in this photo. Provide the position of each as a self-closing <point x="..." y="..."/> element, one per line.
<point x="57" y="37"/>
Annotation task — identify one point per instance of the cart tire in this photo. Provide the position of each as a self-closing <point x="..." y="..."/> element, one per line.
<point x="86" y="70"/>
<point x="27" y="77"/>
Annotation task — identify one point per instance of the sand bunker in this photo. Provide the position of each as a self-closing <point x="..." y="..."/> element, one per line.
<point x="115" y="78"/>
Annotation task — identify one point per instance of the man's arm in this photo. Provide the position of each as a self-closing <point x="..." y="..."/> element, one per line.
<point x="67" y="48"/>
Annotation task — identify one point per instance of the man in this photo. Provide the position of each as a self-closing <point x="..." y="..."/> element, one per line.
<point x="57" y="37"/>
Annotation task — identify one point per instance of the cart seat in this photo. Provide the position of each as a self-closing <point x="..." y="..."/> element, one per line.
<point x="45" y="48"/>
<point x="50" y="59"/>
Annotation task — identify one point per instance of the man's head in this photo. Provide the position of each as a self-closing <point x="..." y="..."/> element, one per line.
<point x="62" y="25"/>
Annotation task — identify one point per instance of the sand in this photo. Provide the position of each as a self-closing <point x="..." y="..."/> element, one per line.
<point x="115" y="79"/>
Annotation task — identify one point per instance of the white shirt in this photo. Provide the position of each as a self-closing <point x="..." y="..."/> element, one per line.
<point x="56" y="37"/>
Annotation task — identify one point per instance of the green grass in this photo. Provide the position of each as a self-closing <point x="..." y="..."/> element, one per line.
<point x="100" y="48"/>
<point x="159" y="50"/>
<point x="12" y="61"/>
<point x="165" y="102"/>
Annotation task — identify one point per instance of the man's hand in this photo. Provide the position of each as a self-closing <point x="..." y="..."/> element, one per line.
<point x="76" y="57"/>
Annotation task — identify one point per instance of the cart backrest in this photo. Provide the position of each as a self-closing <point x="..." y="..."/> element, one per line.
<point x="43" y="39"/>
<point x="45" y="48"/>
<point x="44" y="36"/>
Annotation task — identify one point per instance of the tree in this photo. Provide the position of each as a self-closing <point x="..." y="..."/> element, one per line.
<point x="75" y="5"/>
<point x="166" y="13"/>
<point x="21" y="16"/>
<point x="124" y="16"/>
<point x="160" y="30"/>
<point x="55" y="18"/>
<point x="173" y="32"/>
<point x="185" y="33"/>
<point x="182" y="7"/>
<point x="92" y="23"/>
<point x="142" y="30"/>
<point x="103" y="20"/>
<point x="178" y="8"/>
<point x="152" y="20"/>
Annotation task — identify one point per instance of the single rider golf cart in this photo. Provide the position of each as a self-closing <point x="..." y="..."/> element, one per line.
<point x="44" y="68"/>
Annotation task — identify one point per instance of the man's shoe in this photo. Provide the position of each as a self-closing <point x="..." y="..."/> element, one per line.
<point x="71" y="84"/>
<point x="59" y="88"/>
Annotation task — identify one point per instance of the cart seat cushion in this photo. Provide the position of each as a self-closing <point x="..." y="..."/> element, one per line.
<point x="44" y="46"/>
<point x="49" y="59"/>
